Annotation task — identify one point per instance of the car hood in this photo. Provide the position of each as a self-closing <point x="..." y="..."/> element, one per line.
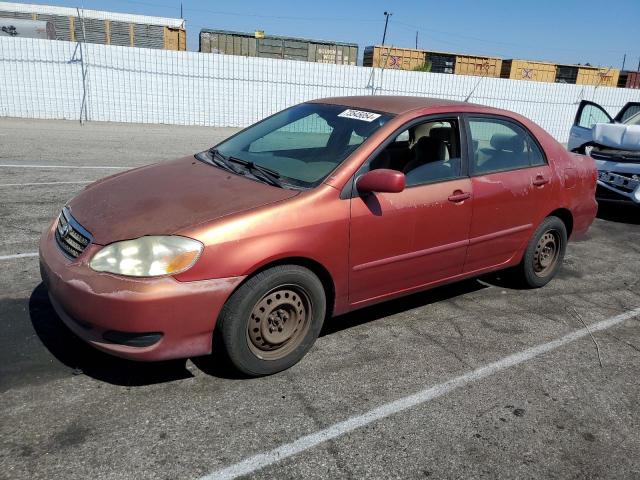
<point x="166" y="197"/>
<point x="617" y="135"/>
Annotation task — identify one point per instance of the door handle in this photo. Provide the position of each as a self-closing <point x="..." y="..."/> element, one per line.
<point x="540" y="181"/>
<point x="459" y="196"/>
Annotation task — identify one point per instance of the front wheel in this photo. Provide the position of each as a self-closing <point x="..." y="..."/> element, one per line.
<point x="273" y="319"/>
<point x="544" y="253"/>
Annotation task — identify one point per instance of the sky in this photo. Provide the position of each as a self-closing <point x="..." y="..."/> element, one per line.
<point x="560" y="31"/>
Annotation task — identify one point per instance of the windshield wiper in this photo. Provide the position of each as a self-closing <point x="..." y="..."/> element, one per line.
<point x="222" y="161"/>
<point x="264" y="173"/>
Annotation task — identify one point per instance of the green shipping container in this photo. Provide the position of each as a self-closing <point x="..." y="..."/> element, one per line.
<point x="271" y="46"/>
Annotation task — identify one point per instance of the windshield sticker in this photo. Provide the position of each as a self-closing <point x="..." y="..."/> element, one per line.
<point x="360" y="115"/>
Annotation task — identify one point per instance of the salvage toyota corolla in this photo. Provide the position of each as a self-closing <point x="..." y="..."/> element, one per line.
<point x="323" y="208"/>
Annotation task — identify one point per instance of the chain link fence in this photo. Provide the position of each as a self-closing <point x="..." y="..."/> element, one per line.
<point x="91" y="82"/>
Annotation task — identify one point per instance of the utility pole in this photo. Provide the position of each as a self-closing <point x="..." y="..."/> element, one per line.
<point x="386" y="22"/>
<point x="416" y="39"/>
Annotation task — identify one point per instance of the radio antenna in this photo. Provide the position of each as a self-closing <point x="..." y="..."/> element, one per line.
<point x="482" y="77"/>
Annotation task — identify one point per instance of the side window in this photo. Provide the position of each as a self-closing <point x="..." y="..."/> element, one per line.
<point x="502" y="145"/>
<point x="426" y="153"/>
<point x="630" y="112"/>
<point x="635" y="120"/>
<point x="591" y="115"/>
<point x="311" y="131"/>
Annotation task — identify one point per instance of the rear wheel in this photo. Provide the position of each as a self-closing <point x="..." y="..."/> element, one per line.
<point x="273" y="319"/>
<point x="544" y="254"/>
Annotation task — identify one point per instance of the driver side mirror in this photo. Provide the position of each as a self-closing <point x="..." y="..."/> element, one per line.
<point x="382" y="180"/>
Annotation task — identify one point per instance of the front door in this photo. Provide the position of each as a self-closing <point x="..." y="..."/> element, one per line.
<point x="407" y="240"/>
<point x="588" y="115"/>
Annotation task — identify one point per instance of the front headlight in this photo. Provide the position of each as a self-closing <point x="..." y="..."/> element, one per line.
<point x="148" y="256"/>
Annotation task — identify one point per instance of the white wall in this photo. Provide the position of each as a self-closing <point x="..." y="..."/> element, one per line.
<point x="43" y="79"/>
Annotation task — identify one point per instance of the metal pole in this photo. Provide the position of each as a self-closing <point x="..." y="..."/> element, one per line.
<point x="416" y="39"/>
<point x="83" y="105"/>
<point x="384" y="37"/>
<point x="623" y="60"/>
<point x="84" y="34"/>
<point x="386" y="22"/>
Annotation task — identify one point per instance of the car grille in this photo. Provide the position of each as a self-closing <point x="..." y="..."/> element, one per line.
<point x="70" y="236"/>
<point x="626" y="182"/>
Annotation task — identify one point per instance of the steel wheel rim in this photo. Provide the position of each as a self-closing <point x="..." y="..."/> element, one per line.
<point x="279" y="321"/>
<point x="546" y="253"/>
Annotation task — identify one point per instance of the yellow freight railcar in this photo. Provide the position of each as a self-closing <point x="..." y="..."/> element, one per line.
<point x="381" y="56"/>
<point x="529" y="70"/>
<point x="605" y="77"/>
<point x="481" y="66"/>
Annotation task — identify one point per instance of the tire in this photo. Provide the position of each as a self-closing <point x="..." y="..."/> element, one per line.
<point x="272" y="320"/>
<point x="544" y="254"/>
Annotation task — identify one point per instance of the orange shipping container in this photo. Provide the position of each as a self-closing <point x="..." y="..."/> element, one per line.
<point x="527" y="70"/>
<point x="174" y="39"/>
<point x="480" y="66"/>
<point x="606" y="77"/>
<point x="391" y="57"/>
<point x="629" y="79"/>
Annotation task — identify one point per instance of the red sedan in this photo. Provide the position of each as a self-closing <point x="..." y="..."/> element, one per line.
<point x="320" y="209"/>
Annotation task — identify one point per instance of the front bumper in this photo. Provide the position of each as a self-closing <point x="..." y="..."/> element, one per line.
<point x="618" y="182"/>
<point x="94" y="305"/>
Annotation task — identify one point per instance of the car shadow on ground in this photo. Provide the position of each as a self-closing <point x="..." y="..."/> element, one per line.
<point x="619" y="213"/>
<point x="73" y="352"/>
<point x="392" y="307"/>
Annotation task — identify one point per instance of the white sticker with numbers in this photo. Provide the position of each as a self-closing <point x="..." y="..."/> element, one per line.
<point x="360" y="115"/>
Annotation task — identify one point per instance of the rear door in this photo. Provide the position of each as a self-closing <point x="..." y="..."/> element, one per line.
<point x="589" y="113"/>
<point x="511" y="183"/>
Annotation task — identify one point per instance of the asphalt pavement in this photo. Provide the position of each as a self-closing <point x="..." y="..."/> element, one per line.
<point x="473" y="380"/>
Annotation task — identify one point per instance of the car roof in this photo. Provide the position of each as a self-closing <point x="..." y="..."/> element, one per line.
<point x="390" y="103"/>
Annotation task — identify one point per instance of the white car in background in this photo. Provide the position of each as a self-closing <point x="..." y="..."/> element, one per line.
<point x="614" y="144"/>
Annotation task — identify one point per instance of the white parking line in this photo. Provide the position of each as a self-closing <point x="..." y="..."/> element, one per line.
<point x="262" y="460"/>
<point x="95" y="167"/>
<point x="19" y="255"/>
<point x="44" y="183"/>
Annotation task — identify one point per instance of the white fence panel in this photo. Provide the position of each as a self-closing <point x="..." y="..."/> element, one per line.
<point x="40" y="79"/>
<point x="43" y="79"/>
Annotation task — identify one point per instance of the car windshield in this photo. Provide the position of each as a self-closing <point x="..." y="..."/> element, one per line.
<point x="304" y="143"/>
